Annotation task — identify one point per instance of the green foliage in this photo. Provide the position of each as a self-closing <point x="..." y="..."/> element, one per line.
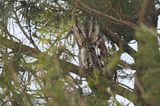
<point x="148" y="43"/>
<point x="36" y="62"/>
<point x="148" y="63"/>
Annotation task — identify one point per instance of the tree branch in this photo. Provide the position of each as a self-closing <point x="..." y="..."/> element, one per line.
<point x="120" y="42"/>
<point x="26" y="50"/>
<point x="96" y="12"/>
<point x="130" y="95"/>
<point x="146" y="10"/>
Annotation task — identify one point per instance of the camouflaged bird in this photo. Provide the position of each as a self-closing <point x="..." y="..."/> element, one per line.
<point x="91" y="45"/>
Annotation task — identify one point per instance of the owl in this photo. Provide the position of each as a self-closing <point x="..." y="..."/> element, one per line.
<point x="89" y="41"/>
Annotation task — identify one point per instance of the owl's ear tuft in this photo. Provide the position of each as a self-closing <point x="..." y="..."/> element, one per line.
<point x="95" y="33"/>
<point x="78" y="32"/>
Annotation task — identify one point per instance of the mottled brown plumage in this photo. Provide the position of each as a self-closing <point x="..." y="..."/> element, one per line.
<point x="90" y="41"/>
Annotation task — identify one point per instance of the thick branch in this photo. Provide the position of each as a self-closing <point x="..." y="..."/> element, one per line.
<point x="120" y="42"/>
<point x="98" y="13"/>
<point x="145" y="10"/>
<point x="26" y="50"/>
<point x="147" y="14"/>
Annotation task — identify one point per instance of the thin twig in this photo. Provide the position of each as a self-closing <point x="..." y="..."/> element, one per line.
<point x="26" y="35"/>
<point x="124" y="85"/>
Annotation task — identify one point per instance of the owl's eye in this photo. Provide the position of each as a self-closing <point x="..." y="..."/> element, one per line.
<point x="79" y="31"/>
<point x="93" y="30"/>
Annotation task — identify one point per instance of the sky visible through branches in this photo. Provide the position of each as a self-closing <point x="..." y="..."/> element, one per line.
<point x="15" y="30"/>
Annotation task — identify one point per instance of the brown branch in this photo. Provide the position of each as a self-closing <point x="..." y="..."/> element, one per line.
<point x="18" y="47"/>
<point x="98" y="13"/>
<point x="146" y="10"/>
<point x="26" y="50"/>
<point x="120" y="42"/>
